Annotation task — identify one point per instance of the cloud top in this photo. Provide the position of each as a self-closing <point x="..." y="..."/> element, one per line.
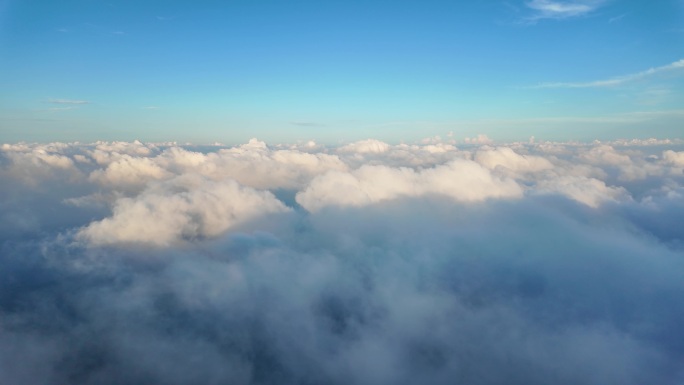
<point x="529" y="263"/>
<point x="183" y="208"/>
<point x="461" y="180"/>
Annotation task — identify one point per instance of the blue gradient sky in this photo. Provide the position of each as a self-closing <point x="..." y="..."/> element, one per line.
<point x="337" y="71"/>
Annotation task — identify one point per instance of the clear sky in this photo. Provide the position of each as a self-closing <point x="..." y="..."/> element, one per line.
<point x="336" y="71"/>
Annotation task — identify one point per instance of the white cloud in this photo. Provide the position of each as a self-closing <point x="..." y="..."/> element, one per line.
<point x="34" y="163"/>
<point x="365" y="146"/>
<point x="617" y="18"/>
<point x="184" y="208"/>
<point x="506" y="157"/>
<point x="129" y="172"/>
<point x="253" y="164"/>
<point x="551" y="9"/>
<point x="106" y="152"/>
<point x="674" y="157"/>
<point x="386" y="274"/>
<point x="68" y="101"/>
<point x="617" y="81"/>
<point x="630" y="166"/>
<point x="644" y="142"/>
<point x="479" y="139"/>
<point x="461" y="180"/>
<point x="589" y="191"/>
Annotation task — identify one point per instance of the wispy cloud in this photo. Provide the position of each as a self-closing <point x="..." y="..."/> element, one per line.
<point x="68" y="101"/>
<point x="307" y="124"/>
<point x="616" y="18"/>
<point x="57" y="109"/>
<point x="678" y="65"/>
<point x="550" y="9"/>
<point x="629" y="117"/>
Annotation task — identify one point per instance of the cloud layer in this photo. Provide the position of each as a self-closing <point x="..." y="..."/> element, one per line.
<point x="371" y="263"/>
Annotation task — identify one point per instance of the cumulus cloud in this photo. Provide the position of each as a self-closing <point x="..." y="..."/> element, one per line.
<point x="372" y="263"/>
<point x="366" y="146"/>
<point x="506" y="157"/>
<point x="253" y="164"/>
<point x="634" y="167"/>
<point x="479" y="139"/>
<point x="181" y="208"/>
<point x="589" y="191"/>
<point x="31" y="164"/>
<point x="129" y="171"/>
<point x="106" y="152"/>
<point x="674" y="157"/>
<point x="461" y="180"/>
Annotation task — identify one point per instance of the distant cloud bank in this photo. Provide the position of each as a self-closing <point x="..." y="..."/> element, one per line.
<point x="482" y="263"/>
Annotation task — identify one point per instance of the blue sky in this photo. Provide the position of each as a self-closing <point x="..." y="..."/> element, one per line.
<point x="336" y="71"/>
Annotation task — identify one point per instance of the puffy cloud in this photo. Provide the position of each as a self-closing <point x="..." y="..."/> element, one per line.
<point x="645" y="142"/>
<point x="39" y="156"/>
<point x="590" y="191"/>
<point x="253" y="164"/>
<point x="630" y="166"/>
<point x="179" y="209"/>
<point x="128" y="171"/>
<point x="480" y="139"/>
<point x="604" y="154"/>
<point x="674" y="158"/>
<point x="461" y="180"/>
<point x="31" y="164"/>
<point x="506" y="157"/>
<point x="406" y="155"/>
<point x="528" y="263"/>
<point x="365" y="146"/>
<point x="401" y="292"/>
<point x="106" y="152"/>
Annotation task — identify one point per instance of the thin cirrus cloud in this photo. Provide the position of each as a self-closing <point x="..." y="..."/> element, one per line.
<point x="616" y="81"/>
<point x="547" y="9"/>
<point x="68" y="101"/>
<point x="617" y="18"/>
<point x="54" y="109"/>
<point x="306" y="123"/>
